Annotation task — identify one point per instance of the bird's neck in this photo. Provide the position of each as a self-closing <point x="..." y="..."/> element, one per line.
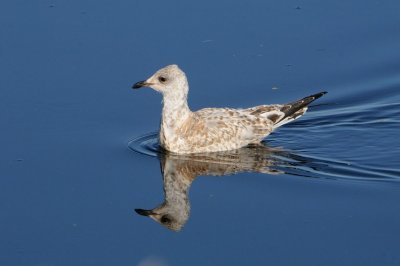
<point x="176" y="187"/>
<point x="176" y="192"/>
<point x="175" y="110"/>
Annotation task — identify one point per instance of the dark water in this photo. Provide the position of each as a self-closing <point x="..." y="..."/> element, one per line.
<point x="322" y="191"/>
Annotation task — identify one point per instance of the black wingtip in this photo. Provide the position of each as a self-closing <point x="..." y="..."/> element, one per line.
<point x="318" y="95"/>
<point x="291" y="108"/>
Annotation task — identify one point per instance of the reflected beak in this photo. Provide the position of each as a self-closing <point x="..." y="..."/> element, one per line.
<point x="144" y="212"/>
<point x="140" y="84"/>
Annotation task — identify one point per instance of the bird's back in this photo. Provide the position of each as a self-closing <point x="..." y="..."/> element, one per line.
<point x="220" y="129"/>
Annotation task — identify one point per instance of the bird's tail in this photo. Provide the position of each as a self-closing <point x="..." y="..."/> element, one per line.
<point x="296" y="109"/>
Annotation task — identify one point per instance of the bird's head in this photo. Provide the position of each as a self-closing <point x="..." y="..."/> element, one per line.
<point x="168" y="80"/>
<point x="167" y="216"/>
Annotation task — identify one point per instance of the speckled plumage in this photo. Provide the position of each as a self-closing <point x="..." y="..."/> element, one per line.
<point x="213" y="129"/>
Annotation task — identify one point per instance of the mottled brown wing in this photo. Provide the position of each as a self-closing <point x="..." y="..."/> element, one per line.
<point x="235" y="124"/>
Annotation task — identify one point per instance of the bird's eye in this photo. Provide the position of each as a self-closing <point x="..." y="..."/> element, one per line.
<point x="165" y="220"/>
<point x="162" y="79"/>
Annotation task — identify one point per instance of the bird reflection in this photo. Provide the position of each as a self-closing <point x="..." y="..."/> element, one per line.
<point x="179" y="171"/>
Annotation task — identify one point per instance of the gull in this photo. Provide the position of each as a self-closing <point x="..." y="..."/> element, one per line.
<point x="213" y="129"/>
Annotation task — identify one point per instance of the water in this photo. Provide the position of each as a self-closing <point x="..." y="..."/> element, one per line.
<point x="321" y="191"/>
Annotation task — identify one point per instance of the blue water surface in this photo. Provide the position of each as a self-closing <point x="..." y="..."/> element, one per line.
<point x="323" y="190"/>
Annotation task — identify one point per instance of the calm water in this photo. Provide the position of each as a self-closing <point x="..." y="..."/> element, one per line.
<point x="75" y="138"/>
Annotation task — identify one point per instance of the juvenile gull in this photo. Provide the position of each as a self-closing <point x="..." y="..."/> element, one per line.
<point x="213" y="129"/>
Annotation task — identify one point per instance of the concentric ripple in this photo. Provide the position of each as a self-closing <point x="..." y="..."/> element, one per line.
<point x="146" y="144"/>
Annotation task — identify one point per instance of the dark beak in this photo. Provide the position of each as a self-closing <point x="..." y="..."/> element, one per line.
<point x="144" y="212"/>
<point x="139" y="84"/>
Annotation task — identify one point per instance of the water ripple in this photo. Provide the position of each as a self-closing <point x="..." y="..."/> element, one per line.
<point x="275" y="160"/>
<point x="146" y="144"/>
